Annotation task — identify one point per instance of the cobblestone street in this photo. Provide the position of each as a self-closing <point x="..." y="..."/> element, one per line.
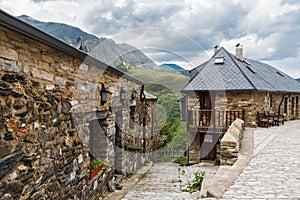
<point x="163" y="182"/>
<point x="272" y="174"/>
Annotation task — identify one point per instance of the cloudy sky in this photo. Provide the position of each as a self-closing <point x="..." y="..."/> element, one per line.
<point x="183" y="31"/>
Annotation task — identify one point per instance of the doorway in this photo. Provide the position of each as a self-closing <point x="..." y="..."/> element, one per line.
<point x="208" y="146"/>
<point x="118" y="146"/>
<point x="98" y="140"/>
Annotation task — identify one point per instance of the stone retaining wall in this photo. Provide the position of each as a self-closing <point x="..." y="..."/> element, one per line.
<point x="230" y="143"/>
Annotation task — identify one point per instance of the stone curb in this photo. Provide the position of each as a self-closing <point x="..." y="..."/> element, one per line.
<point x="129" y="183"/>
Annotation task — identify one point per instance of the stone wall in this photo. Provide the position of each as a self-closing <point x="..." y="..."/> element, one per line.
<point x="194" y="147"/>
<point x="230" y="143"/>
<point x="48" y="101"/>
<point x="252" y="102"/>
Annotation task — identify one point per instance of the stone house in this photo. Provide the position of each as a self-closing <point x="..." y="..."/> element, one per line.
<point x="227" y="87"/>
<point x="59" y="108"/>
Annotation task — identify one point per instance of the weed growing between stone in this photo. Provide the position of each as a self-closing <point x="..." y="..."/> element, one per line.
<point x="196" y="183"/>
<point x="180" y="172"/>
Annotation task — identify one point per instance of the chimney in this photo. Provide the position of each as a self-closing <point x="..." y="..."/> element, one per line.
<point x="216" y="48"/>
<point x="239" y="52"/>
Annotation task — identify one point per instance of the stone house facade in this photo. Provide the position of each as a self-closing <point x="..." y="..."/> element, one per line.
<point x="59" y="108"/>
<point x="230" y="86"/>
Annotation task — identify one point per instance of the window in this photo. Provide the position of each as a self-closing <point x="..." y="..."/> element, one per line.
<point x="297" y="105"/>
<point x="219" y="60"/>
<point x="271" y="100"/>
<point x="285" y="105"/>
<point x="293" y="105"/>
<point x="247" y="62"/>
<point x="132" y="117"/>
<point x="281" y="74"/>
<point x="97" y="142"/>
<point x="251" y="69"/>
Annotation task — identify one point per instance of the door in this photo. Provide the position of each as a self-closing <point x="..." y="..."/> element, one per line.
<point x="118" y="147"/>
<point x="98" y="140"/>
<point x="208" y="146"/>
<point x="205" y="107"/>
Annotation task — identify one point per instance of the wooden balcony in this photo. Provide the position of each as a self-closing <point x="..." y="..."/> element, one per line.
<point x="215" y="121"/>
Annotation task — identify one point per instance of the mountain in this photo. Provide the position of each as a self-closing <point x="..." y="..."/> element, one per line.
<point x="122" y="56"/>
<point x="104" y="49"/>
<point x="64" y="32"/>
<point x="174" y="67"/>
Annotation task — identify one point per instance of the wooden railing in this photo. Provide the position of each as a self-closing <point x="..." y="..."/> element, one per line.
<point x="169" y="153"/>
<point x="214" y="118"/>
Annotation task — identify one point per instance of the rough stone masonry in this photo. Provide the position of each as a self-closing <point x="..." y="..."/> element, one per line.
<point x="49" y="101"/>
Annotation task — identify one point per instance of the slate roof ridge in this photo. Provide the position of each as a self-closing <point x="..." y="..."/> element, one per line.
<point x="258" y="74"/>
<point x="202" y="66"/>
<point x="205" y="62"/>
<point x="232" y="57"/>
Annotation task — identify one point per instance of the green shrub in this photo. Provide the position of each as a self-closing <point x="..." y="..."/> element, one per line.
<point x="182" y="161"/>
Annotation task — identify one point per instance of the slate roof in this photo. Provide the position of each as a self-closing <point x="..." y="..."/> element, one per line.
<point x="235" y="75"/>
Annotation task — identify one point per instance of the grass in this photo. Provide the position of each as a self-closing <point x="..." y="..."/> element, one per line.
<point x="173" y="81"/>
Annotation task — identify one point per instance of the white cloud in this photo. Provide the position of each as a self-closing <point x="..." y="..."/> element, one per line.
<point x="268" y="29"/>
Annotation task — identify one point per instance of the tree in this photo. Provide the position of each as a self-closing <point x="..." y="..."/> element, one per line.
<point x="168" y="113"/>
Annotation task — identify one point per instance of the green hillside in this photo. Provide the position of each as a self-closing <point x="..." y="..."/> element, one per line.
<point x="174" y="82"/>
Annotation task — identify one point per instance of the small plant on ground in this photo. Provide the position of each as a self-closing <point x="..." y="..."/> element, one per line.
<point x="180" y="172"/>
<point x="196" y="183"/>
<point x="182" y="161"/>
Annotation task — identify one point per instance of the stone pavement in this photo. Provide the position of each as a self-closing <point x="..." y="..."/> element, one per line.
<point x="165" y="180"/>
<point x="274" y="173"/>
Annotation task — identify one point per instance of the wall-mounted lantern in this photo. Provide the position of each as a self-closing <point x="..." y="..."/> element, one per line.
<point x="143" y="96"/>
<point x="133" y="95"/>
<point x="104" y="94"/>
<point x="123" y="95"/>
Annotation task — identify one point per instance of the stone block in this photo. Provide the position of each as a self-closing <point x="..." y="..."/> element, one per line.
<point x="8" y="162"/>
<point x="60" y="80"/>
<point x="41" y="74"/>
<point x="48" y="58"/>
<point x="8" y="53"/>
<point x="12" y="124"/>
<point x="49" y="87"/>
<point x="84" y="67"/>
<point x="5" y="149"/>
<point x="10" y="66"/>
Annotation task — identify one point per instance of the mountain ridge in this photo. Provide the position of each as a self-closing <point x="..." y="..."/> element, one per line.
<point x="122" y="56"/>
<point x="104" y="49"/>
